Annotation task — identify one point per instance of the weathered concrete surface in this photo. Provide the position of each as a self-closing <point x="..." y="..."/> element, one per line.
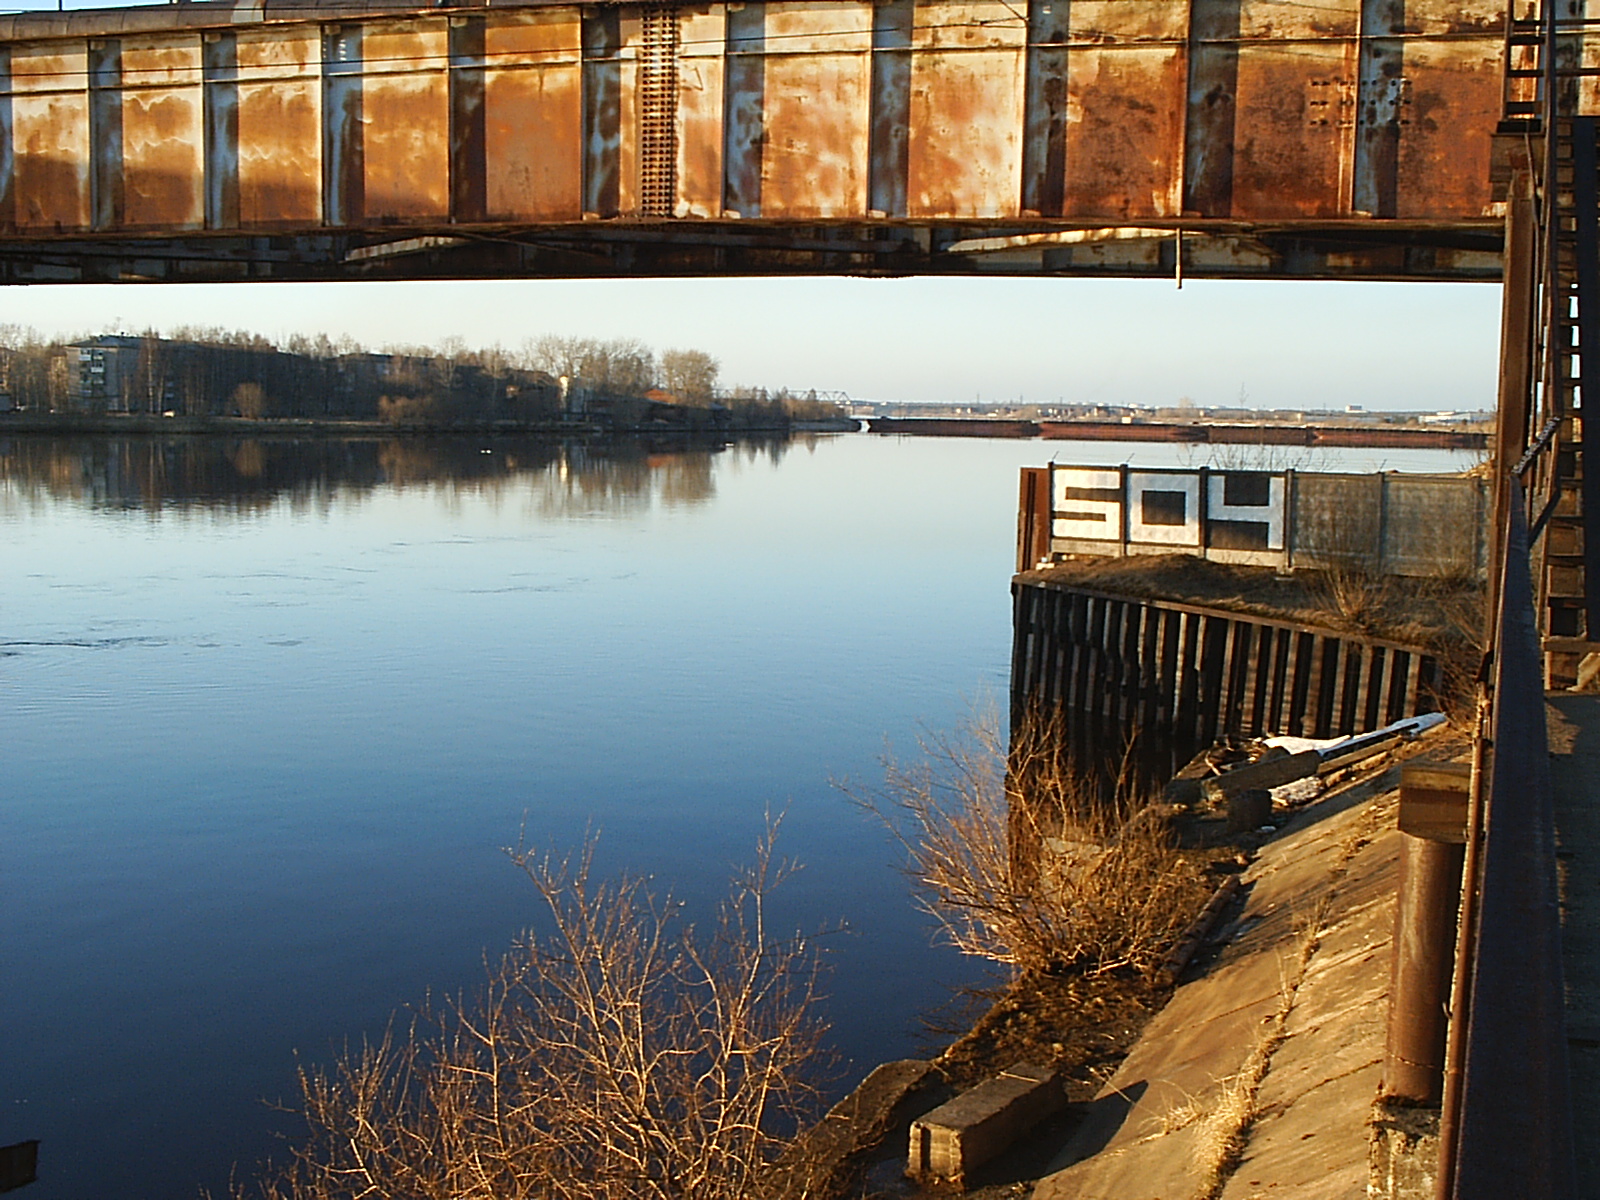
<point x="1405" y="1153"/>
<point x="1574" y="722"/>
<point x="1283" y="1034"/>
<point x="964" y="1133"/>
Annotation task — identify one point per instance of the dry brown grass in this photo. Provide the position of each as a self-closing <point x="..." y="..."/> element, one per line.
<point x="619" y="1055"/>
<point x="1023" y="863"/>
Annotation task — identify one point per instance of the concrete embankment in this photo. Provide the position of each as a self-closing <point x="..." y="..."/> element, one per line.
<point x="1258" y="1078"/>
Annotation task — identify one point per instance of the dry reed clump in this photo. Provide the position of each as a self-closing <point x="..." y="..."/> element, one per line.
<point x="1021" y="860"/>
<point x="618" y="1056"/>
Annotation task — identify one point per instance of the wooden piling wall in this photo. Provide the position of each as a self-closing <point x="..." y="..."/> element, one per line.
<point x="1173" y="678"/>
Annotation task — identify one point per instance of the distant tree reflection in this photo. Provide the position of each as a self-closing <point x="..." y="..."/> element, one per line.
<point x="249" y="475"/>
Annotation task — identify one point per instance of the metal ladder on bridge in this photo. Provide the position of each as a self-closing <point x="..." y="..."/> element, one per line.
<point x="1545" y="91"/>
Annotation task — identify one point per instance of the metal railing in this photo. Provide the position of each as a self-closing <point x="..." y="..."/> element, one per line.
<point x="1506" y="1126"/>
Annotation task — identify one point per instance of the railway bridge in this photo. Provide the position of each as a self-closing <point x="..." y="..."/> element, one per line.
<point x="358" y="139"/>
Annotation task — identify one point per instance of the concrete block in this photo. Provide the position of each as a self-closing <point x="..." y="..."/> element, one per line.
<point x="1264" y="773"/>
<point x="981" y="1123"/>
<point x="1403" y="1153"/>
<point x="1249" y="809"/>
<point x="1433" y="801"/>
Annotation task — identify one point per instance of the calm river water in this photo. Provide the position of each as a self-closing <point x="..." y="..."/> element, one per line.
<point x="271" y="710"/>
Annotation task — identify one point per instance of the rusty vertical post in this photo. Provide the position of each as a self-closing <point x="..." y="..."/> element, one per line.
<point x="1419" y="994"/>
<point x="1517" y="315"/>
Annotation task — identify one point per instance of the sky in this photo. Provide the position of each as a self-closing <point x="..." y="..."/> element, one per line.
<point x="950" y="340"/>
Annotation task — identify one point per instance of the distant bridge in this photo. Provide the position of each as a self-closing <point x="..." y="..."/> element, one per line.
<point x="280" y="139"/>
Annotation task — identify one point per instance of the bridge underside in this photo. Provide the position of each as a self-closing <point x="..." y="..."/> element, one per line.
<point x="287" y="139"/>
<point x="677" y="249"/>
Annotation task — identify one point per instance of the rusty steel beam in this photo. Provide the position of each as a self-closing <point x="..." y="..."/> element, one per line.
<point x="1348" y="141"/>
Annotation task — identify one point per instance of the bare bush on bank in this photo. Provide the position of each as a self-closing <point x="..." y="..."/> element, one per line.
<point x="622" y="1054"/>
<point x="1022" y="861"/>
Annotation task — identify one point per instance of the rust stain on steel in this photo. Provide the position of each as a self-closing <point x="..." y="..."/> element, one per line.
<point x="1113" y="111"/>
<point x="533" y="114"/>
<point x="280" y="119"/>
<point x="1211" y="118"/>
<point x="965" y="145"/>
<point x="889" y="107"/>
<point x="1452" y="86"/>
<point x="1124" y="138"/>
<point x="163" y="142"/>
<point x="405" y="117"/>
<point x="1295" y="19"/>
<point x="1288" y="149"/>
<point x="700" y="102"/>
<point x="220" y="72"/>
<point x="818" y="66"/>
<point x="8" y="173"/>
<point x="50" y="119"/>
<point x="1121" y="21"/>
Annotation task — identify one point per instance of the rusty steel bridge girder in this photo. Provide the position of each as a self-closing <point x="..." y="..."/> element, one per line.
<point x="1216" y="138"/>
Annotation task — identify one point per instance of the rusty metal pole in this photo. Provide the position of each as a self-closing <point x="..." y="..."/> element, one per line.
<point x="1424" y="961"/>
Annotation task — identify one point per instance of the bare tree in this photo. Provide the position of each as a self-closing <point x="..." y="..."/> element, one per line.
<point x="1021" y="862"/>
<point x="249" y="399"/>
<point x="621" y="1056"/>
<point x="617" y="367"/>
<point x="689" y="374"/>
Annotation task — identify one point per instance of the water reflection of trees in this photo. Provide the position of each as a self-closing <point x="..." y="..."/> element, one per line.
<point x="154" y="474"/>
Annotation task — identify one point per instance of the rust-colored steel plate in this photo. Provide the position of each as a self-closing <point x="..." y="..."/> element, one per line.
<point x="1293" y="113"/>
<point x="818" y="74"/>
<point x="163" y="146"/>
<point x="1124" y="138"/>
<point x="50" y="135"/>
<point x="701" y="97"/>
<point x="1046" y="135"/>
<point x="1450" y="85"/>
<point x="279" y="150"/>
<point x="533" y="115"/>
<point x="966" y="112"/>
<point x="405" y="118"/>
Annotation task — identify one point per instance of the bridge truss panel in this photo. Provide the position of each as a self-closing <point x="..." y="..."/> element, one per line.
<point x="1032" y="136"/>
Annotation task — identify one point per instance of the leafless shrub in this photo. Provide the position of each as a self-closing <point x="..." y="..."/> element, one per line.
<point x="621" y="1055"/>
<point x="1023" y="863"/>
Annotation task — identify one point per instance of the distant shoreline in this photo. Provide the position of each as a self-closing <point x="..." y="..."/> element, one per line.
<point x="186" y="426"/>
<point x="1354" y="434"/>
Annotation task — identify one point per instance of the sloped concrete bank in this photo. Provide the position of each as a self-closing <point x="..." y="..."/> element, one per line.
<point x="1259" y="1076"/>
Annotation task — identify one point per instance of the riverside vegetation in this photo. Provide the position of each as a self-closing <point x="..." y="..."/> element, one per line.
<point x="618" y="1051"/>
<point x="207" y="372"/>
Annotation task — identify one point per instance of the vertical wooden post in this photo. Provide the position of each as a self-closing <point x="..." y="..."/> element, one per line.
<point x="1033" y="517"/>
